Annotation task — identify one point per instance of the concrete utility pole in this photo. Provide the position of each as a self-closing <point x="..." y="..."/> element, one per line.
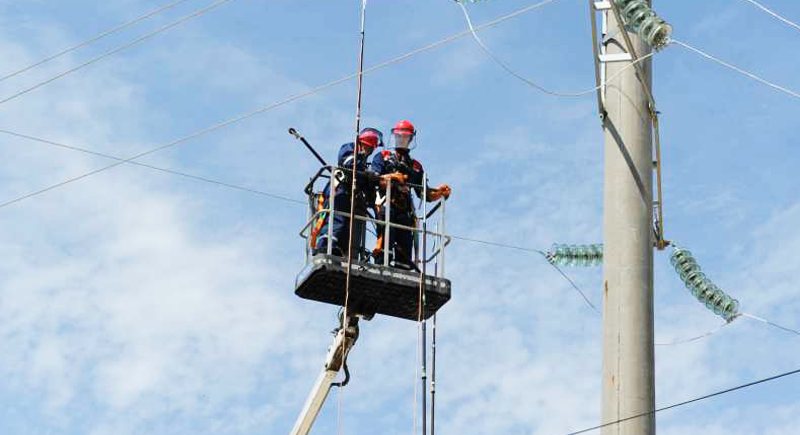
<point x="628" y="355"/>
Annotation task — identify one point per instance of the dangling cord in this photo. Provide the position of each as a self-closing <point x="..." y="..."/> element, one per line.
<point x="433" y="354"/>
<point x="345" y="321"/>
<point x="354" y="168"/>
<point x="420" y="307"/>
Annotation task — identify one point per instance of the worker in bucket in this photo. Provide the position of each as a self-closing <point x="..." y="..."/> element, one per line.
<point x="406" y="174"/>
<point x="368" y="140"/>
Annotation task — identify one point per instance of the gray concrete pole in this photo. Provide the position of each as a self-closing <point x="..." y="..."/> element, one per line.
<point x="628" y="355"/>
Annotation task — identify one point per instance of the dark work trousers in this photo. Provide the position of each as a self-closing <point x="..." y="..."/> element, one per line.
<point x="341" y="227"/>
<point x="401" y="240"/>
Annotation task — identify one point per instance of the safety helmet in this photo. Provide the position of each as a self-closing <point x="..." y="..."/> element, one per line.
<point x="404" y="128"/>
<point x="369" y="131"/>
<point x="370" y="137"/>
<point x="403" y="133"/>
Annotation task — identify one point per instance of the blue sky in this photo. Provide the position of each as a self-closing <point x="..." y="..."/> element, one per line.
<point x="138" y="302"/>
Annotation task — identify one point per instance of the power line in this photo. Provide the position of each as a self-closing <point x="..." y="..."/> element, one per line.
<point x="540" y="252"/>
<point x="93" y="39"/>
<point x="737" y="69"/>
<point x="765" y="9"/>
<point x="168" y="171"/>
<point x="775" y="325"/>
<point x="695" y="338"/>
<point x="677" y="405"/>
<point x="191" y="16"/>
<point x="532" y="84"/>
<point x="277" y="104"/>
<point x="596" y="310"/>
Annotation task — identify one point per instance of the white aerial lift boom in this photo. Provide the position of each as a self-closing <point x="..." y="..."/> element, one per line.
<point x="344" y="338"/>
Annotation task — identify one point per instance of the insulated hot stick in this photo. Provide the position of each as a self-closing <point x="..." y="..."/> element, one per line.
<point x="294" y="133"/>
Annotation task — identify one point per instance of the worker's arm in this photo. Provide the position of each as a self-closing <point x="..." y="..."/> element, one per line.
<point x="442" y="191"/>
<point x="378" y="167"/>
<point x="396" y="177"/>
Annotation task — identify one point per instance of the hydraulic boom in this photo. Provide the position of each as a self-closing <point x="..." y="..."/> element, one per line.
<point x="345" y="337"/>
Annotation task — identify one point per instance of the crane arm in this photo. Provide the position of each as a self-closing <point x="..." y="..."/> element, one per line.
<point x="343" y="341"/>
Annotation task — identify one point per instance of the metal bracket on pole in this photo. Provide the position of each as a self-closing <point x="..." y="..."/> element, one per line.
<point x="601" y="5"/>
<point x="601" y="59"/>
<point x="618" y="57"/>
<point x="635" y="57"/>
<point x="595" y="47"/>
<point x="661" y="243"/>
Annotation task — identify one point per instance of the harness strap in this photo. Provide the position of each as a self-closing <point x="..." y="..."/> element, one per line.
<point x="320" y="220"/>
<point x="379" y="242"/>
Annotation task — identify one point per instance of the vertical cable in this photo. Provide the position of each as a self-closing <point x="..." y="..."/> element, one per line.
<point x="433" y="352"/>
<point x="422" y="322"/>
<point x="433" y="375"/>
<point x="353" y="174"/>
<point x="355" y="161"/>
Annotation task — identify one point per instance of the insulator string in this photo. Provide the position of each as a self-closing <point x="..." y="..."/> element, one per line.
<point x="576" y="255"/>
<point x="702" y="287"/>
<point x="640" y="17"/>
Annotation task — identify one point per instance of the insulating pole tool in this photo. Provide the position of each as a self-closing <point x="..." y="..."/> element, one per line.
<point x="294" y="133"/>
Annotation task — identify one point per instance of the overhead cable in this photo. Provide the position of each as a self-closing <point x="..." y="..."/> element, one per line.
<point x="687" y="402"/>
<point x="93" y="39"/>
<point x="737" y="69"/>
<point x="280" y="103"/>
<point x="191" y="16"/>
<point x="764" y="8"/>
<point x="540" y="252"/>
<point x="575" y="286"/>
<point x="532" y="84"/>
<point x="775" y="325"/>
<point x="144" y="165"/>
<point x="695" y="338"/>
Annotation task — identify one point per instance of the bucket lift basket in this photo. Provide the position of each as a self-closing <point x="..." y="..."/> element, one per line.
<point x="374" y="288"/>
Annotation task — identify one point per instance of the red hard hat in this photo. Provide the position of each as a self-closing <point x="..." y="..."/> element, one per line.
<point x="404" y="127"/>
<point x="369" y="138"/>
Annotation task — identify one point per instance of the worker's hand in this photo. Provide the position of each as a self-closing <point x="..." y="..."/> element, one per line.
<point x="444" y="190"/>
<point x="394" y="176"/>
<point x="441" y="191"/>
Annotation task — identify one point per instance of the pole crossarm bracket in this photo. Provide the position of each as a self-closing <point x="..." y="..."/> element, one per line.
<point x="597" y="73"/>
<point x="618" y="57"/>
<point x="601" y="5"/>
<point x="661" y="243"/>
<point x="635" y="57"/>
<point x="601" y="59"/>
